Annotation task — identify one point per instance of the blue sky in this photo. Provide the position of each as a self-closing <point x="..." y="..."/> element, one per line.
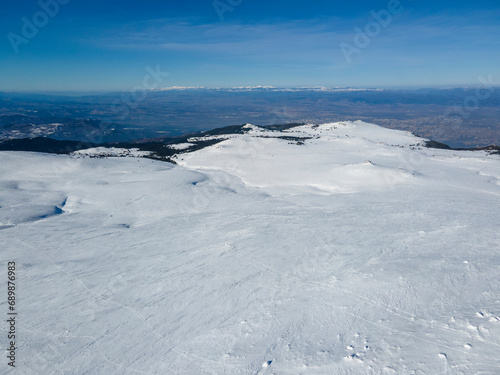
<point x="91" y="45"/>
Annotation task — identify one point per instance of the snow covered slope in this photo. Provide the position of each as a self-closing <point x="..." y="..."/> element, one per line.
<point x="333" y="158"/>
<point x="335" y="249"/>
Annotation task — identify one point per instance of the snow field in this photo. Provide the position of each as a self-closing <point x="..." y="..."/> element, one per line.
<point x="353" y="253"/>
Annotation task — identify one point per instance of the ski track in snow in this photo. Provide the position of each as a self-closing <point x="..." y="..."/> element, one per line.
<point x="354" y="251"/>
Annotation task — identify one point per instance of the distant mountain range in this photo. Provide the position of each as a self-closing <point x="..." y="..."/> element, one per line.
<point x="268" y="89"/>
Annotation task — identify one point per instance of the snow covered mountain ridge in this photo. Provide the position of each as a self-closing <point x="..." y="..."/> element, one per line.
<point x="336" y="158"/>
<point x="342" y="248"/>
<point x="168" y="148"/>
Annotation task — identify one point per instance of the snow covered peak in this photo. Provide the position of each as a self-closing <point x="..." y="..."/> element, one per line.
<point x="252" y="129"/>
<point x="327" y="158"/>
<point x="358" y="129"/>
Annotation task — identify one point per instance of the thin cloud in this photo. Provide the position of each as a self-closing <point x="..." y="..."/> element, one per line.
<point x="314" y="41"/>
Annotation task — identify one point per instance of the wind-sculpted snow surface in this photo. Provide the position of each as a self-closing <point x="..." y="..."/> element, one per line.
<point x="334" y="249"/>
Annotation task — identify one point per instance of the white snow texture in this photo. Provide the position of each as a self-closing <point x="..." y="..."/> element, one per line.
<point x="355" y="251"/>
